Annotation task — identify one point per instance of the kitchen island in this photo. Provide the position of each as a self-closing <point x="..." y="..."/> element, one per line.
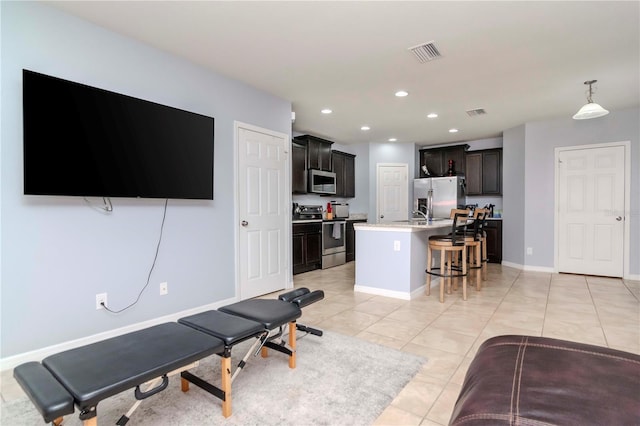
<point x="392" y="257"/>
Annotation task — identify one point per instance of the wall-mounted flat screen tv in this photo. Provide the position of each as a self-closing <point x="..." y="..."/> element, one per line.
<point x="84" y="141"/>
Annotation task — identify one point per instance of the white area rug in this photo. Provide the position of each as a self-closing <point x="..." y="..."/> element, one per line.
<point x="339" y="380"/>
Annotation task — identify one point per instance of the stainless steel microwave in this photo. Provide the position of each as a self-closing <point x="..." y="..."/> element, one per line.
<point x="321" y="182"/>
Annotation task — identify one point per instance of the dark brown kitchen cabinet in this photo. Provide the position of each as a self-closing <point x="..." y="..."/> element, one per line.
<point x="306" y="250"/>
<point x="344" y="168"/>
<point x="473" y="174"/>
<point x="492" y="172"/>
<point x="437" y="160"/>
<point x="298" y="168"/>
<point x="493" y="228"/>
<point x="318" y="152"/>
<point x="350" y="239"/>
<point x="432" y="159"/>
<point x="484" y="172"/>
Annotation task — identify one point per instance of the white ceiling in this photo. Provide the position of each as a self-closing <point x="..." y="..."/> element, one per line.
<point x="520" y="61"/>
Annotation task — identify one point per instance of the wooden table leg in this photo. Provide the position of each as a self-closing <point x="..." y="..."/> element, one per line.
<point x="225" y="367"/>
<point x="478" y="264"/>
<point x="428" y="283"/>
<point x="292" y="344"/>
<point x="464" y="273"/>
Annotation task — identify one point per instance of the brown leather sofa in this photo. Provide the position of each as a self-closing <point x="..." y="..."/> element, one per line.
<point x="526" y="380"/>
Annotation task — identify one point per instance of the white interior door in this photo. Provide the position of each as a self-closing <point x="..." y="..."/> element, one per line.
<point x="262" y="216"/>
<point x="392" y="193"/>
<point x="591" y="206"/>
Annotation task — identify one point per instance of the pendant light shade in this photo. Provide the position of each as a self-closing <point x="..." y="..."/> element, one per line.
<point x="591" y="109"/>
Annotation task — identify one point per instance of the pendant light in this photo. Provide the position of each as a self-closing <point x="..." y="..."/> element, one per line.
<point x="591" y="109"/>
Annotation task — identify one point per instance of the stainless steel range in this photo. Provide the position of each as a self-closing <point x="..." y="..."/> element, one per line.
<point x="333" y="232"/>
<point x="313" y="213"/>
<point x="334" y="246"/>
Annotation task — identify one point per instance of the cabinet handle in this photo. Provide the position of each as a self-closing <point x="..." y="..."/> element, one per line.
<point x="619" y="218"/>
<point x="244" y="223"/>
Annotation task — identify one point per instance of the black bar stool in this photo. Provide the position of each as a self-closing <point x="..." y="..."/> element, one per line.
<point x="448" y="246"/>
<point x="476" y="242"/>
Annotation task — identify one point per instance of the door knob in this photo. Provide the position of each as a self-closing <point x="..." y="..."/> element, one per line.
<point x="619" y="218"/>
<point x="244" y="223"/>
<point x="381" y="216"/>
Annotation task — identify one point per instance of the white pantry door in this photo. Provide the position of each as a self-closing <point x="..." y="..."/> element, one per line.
<point x="591" y="208"/>
<point x="262" y="239"/>
<point x="393" y="192"/>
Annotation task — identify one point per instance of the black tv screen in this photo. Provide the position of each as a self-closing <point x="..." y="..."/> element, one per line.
<point x="84" y="141"/>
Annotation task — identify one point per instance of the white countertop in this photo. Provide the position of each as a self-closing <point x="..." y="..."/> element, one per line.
<point x="403" y="226"/>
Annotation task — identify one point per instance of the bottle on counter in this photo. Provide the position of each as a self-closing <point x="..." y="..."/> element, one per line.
<point x="451" y="171"/>
<point x="329" y="211"/>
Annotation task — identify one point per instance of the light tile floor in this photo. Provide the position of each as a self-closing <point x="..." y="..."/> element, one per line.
<point x="602" y="311"/>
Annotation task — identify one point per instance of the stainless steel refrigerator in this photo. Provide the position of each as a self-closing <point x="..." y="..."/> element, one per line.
<point x="438" y="195"/>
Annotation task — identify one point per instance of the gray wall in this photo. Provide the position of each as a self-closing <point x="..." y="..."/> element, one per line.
<point x="57" y="252"/>
<point x="513" y="195"/>
<point x="539" y="140"/>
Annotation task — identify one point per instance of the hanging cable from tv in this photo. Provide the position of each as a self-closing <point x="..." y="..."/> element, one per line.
<point x="107" y="206"/>
<point x="153" y="265"/>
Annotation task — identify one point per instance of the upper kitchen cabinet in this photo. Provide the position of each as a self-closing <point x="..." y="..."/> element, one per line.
<point x="484" y="172"/>
<point x="318" y="152"/>
<point x="436" y="160"/>
<point x="344" y="168"/>
<point x="298" y="168"/>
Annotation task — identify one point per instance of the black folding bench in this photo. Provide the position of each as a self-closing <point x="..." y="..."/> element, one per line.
<point x="84" y="376"/>
<point x="243" y="320"/>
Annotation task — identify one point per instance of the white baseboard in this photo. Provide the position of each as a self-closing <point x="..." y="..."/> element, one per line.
<point x="634" y="277"/>
<point x="382" y="292"/>
<point x="512" y="265"/>
<point x="39" y="354"/>
<point x="529" y="267"/>
<point x="420" y="291"/>
<point x="539" y="269"/>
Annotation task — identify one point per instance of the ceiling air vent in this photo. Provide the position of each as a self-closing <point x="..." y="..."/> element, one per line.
<point x="477" y="111"/>
<point x="426" y="52"/>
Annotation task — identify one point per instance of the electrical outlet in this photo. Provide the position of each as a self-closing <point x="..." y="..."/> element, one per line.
<point x="164" y="288"/>
<point x="100" y="299"/>
<point x="396" y="245"/>
<point x="529" y="251"/>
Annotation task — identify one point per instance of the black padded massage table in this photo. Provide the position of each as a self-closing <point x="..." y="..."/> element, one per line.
<point x="84" y="376"/>
<point x="250" y="318"/>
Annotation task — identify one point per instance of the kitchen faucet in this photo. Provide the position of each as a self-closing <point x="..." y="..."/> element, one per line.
<point x="420" y="213"/>
<point x="427" y="214"/>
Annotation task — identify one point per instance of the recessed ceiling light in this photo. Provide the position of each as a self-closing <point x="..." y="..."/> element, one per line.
<point x="453" y="130"/>
<point x="401" y="93"/>
<point x="392" y="139"/>
<point x="365" y="128"/>
<point x="326" y="111"/>
<point x="432" y="115"/>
